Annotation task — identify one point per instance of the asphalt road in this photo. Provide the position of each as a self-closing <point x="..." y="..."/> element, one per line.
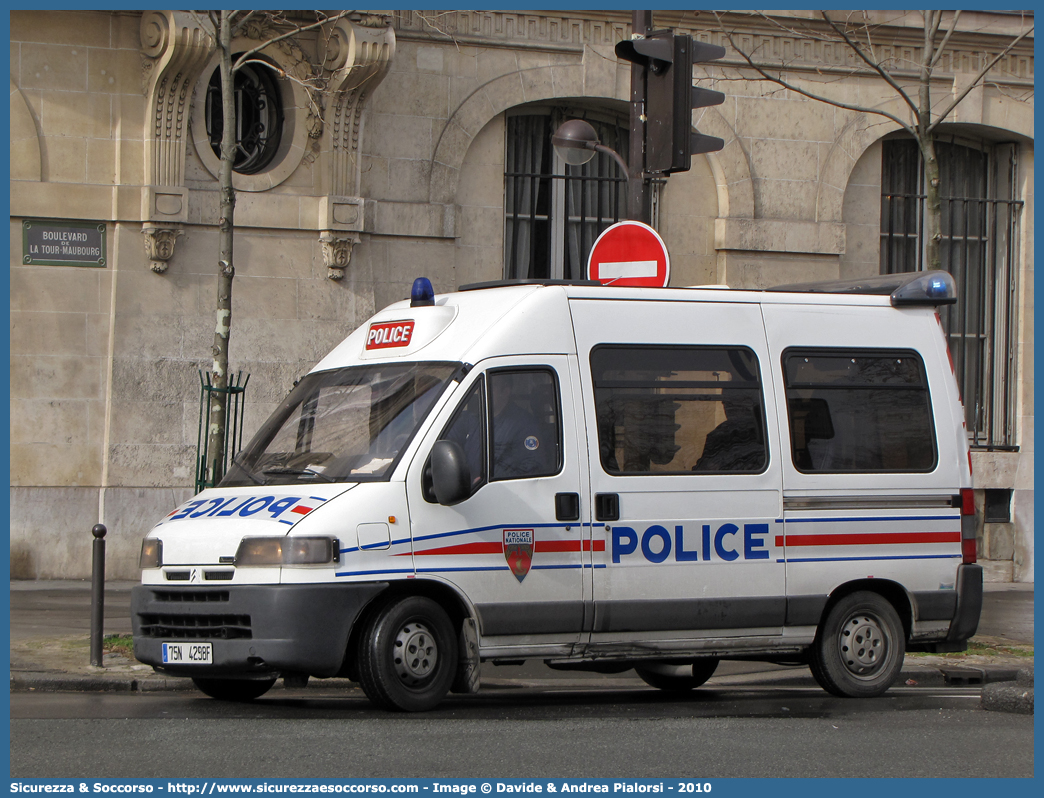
<point x="536" y="722"/>
<point x="568" y="729"/>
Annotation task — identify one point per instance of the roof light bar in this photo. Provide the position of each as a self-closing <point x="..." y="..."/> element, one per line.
<point x="932" y="288"/>
<point x="928" y="288"/>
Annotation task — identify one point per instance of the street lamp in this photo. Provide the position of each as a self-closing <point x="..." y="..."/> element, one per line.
<point x="576" y="143"/>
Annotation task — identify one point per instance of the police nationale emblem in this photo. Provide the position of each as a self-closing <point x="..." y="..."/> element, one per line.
<point x="518" y="551"/>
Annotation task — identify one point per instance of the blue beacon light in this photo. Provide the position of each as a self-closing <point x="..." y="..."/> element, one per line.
<point x="936" y="288"/>
<point x="422" y="294"/>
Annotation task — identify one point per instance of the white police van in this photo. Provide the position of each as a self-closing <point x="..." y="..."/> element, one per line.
<point x="602" y="478"/>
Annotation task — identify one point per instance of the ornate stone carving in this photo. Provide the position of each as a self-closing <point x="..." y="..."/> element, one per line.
<point x="175" y="49"/>
<point x="359" y="57"/>
<point x="159" y="245"/>
<point x="370" y="20"/>
<point x="337" y="253"/>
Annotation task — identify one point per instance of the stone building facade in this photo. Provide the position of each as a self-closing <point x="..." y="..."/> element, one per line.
<point x="423" y="156"/>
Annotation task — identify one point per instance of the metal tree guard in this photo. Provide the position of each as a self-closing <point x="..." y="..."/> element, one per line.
<point x="232" y="398"/>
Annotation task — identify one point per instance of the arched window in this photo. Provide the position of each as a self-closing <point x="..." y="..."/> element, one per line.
<point x="259" y="117"/>
<point x="979" y="223"/>
<point x="554" y="213"/>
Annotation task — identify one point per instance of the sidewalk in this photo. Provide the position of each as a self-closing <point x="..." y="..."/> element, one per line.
<point x="50" y="651"/>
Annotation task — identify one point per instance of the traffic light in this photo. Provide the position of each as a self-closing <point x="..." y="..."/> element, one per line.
<point x="670" y="97"/>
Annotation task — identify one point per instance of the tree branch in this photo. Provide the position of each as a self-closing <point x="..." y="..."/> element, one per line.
<point x="787" y="85"/>
<point x="289" y="34"/>
<point x="873" y="64"/>
<point x="946" y="39"/>
<point x="237" y="28"/>
<point x="978" y="78"/>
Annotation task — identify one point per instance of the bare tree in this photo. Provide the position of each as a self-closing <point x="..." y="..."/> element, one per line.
<point x="923" y="117"/>
<point x="266" y="28"/>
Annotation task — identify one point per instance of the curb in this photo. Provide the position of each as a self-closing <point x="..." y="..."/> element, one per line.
<point x="1010" y="696"/>
<point x="32" y="681"/>
<point x="28" y="681"/>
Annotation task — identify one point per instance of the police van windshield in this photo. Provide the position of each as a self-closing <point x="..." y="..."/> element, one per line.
<point x="344" y="425"/>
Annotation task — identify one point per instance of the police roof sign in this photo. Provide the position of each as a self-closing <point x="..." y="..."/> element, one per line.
<point x="629" y="253"/>
<point x="60" y="242"/>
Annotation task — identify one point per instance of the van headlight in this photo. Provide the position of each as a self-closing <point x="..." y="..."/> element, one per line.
<point x="288" y="551"/>
<point x="151" y="553"/>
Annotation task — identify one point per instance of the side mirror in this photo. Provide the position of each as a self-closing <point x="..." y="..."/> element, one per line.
<point x="450" y="475"/>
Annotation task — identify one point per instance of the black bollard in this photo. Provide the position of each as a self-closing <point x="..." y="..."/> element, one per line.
<point x="97" y="593"/>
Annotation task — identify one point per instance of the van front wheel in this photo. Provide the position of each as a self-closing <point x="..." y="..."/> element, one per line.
<point x="408" y="655"/>
<point x="859" y="648"/>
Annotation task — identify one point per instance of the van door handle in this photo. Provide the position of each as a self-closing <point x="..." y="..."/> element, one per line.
<point x="567" y="506"/>
<point x="607" y="507"/>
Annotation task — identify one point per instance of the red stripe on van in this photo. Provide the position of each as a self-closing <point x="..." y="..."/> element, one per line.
<point x="495" y="547"/>
<point x="869" y="539"/>
<point x="568" y="545"/>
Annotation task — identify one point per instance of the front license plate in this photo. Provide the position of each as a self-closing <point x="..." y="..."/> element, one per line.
<point x="188" y="653"/>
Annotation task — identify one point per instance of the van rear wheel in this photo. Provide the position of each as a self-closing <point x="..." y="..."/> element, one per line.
<point x="678" y="679"/>
<point x="234" y="689"/>
<point x="859" y="648"/>
<point x="408" y="655"/>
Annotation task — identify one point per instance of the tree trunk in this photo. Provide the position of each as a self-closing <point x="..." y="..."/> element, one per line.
<point x="226" y="270"/>
<point x="926" y="141"/>
<point x="932" y="205"/>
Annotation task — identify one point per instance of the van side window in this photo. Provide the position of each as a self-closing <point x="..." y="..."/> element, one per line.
<point x="858" y="411"/>
<point x="524" y="420"/>
<point x="467" y="428"/>
<point x="676" y="410"/>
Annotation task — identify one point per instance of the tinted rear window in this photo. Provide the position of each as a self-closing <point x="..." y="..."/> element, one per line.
<point x="859" y="410"/>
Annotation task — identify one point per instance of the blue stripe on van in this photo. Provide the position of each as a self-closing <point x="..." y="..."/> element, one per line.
<point x="553" y="567"/>
<point x="373" y="573"/>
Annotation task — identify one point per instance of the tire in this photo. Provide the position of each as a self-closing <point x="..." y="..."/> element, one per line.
<point x="859" y="648"/>
<point x="417" y="683"/>
<point x="234" y="689"/>
<point x="688" y="679"/>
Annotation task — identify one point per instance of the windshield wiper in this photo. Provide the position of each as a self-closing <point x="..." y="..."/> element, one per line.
<point x="297" y="472"/>
<point x="250" y="474"/>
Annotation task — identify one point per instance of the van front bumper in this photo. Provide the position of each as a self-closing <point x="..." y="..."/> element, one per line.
<point x="255" y="630"/>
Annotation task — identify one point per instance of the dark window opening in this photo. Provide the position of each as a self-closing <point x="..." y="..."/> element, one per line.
<point x="526" y="434"/>
<point x="679" y="410"/>
<point x="259" y="117"/>
<point x="858" y="411"/>
<point x="997" y="506"/>
<point x="554" y="213"/>
<point x="467" y="429"/>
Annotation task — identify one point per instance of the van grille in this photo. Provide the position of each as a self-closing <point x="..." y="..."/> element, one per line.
<point x="190" y="595"/>
<point x="224" y="627"/>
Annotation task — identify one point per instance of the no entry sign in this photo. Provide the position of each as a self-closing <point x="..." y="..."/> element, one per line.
<point x="629" y="253"/>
